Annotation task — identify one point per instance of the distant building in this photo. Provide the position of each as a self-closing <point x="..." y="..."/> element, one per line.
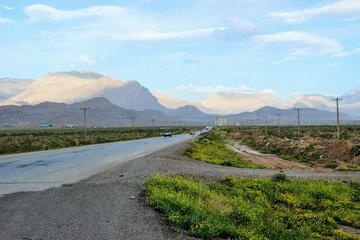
<point x="221" y="121"/>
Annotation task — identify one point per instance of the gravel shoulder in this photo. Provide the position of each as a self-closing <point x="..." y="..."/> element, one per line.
<point x="111" y="205"/>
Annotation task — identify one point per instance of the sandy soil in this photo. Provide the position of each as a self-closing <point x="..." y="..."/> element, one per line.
<point x="270" y="161"/>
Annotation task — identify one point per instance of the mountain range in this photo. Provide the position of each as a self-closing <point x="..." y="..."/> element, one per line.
<point x="289" y="116"/>
<point x="66" y="91"/>
<point x="70" y="87"/>
<point x="235" y="102"/>
<point x="101" y="113"/>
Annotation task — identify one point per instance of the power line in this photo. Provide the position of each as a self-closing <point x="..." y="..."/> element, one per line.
<point x="337" y="116"/>
<point x="85" y="123"/>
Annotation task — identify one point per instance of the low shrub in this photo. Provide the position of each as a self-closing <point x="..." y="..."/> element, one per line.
<point x="259" y="208"/>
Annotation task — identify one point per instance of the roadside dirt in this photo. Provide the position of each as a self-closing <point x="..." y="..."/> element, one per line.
<point x="318" y="148"/>
<point x="270" y="161"/>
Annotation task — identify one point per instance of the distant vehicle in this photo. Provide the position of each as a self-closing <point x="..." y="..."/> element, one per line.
<point x="69" y="126"/>
<point x="207" y="128"/>
<point x="167" y="134"/>
<point x="192" y="133"/>
<point x="46" y="126"/>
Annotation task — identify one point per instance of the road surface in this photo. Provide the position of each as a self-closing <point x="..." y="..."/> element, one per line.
<point x="38" y="171"/>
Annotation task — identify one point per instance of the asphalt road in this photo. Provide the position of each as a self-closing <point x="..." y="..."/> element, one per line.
<point x="38" y="171"/>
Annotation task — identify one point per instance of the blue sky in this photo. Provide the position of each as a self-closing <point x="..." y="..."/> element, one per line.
<point x="184" y="47"/>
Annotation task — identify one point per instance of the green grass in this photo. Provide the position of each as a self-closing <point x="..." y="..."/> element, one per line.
<point x="349" y="168"/>
<point x="210" y="148"/>
<point x="27" y="140"/>
<point x="240" y="208"/>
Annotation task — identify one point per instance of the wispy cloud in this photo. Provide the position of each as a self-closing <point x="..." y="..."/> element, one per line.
<point x="302" y="44"/>
<point x="236" y="30"/>
<point x="353" y="19"/>
<point x="212" y="89"/>
<point x="6" y="7"/>
<point x="152" y="35"/>
<point x="5" y="20"/>
<point x="84" y="60"/>
<point x="190" y="61"/>
<point x="341" y="8"/>
<point x="42" y="12"/>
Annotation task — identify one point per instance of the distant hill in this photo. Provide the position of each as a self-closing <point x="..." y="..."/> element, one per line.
<point x="190" y="113"/>
<point x="132" y="95"/>
<point x="102" y="113"/>
<point x="289" y="116"/>
<point x="229" y="102"/>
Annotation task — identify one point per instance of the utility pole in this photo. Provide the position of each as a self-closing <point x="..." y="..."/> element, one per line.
<point x="85" y="123"/>
<point x="278" y="121"/>
<point x="337" y="116"/>
<point x="153" y="123"/>
<point x="298" y="115"/>
<point x="132" y="124"/>
<point x="266" y="124"/>
<point x="132" y="117"/>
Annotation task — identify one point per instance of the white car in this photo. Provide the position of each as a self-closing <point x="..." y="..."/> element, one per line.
<point x="167" y="134"/>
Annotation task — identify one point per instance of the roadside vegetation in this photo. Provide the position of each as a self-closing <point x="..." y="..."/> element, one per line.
<point x="211" y="148"/>
<point x="27" y="140"/>
<point x="316" y="146"/>
<point x="258" y="208"/>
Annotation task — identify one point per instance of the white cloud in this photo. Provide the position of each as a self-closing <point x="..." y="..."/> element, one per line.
<point x="267" y="91"/>
<point x="237" y="29"/>
<point x="6" y="7"/>
<point x="302" y="44"/>
<point x="5" y="20"/>
<point x="211" y="89"/>
<point x="341" y="8"/>
<point x="42" y="12"/>
<point x="172" y="102"/>
<point x="85" y="60"/>
<point x="151" y="35"/>
<point x="176" y="55"/>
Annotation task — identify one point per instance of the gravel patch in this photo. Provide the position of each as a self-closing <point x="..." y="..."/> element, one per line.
<point x="112" y="205"/>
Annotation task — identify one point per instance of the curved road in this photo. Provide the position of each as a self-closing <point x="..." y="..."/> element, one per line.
<point x="38" y="171"/>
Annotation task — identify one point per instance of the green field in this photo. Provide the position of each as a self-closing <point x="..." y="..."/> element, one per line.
<point x="27" y="140"/>
<point x="259" y="208"/>
<point x="210" y="148"/>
